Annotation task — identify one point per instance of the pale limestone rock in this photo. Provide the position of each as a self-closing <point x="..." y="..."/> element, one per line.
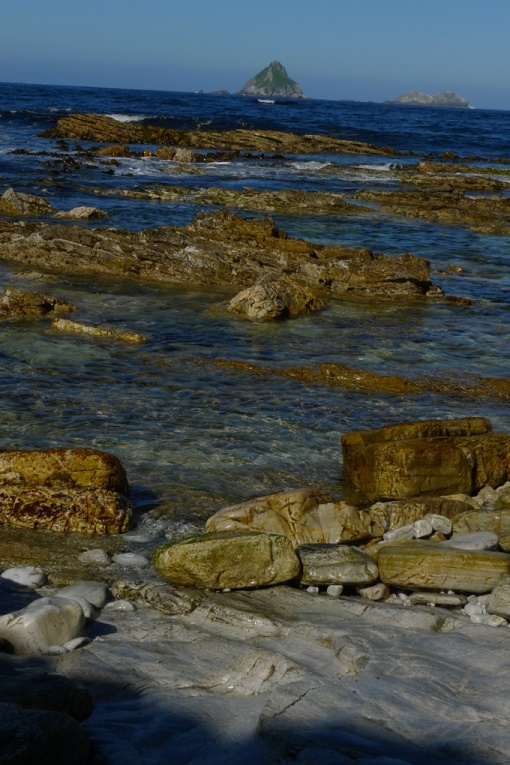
<point x="439" y="523"/>
<point x="478" y="540"/>
<point x="305" y="516"/>
<point x="96" y="593"/>
<point x="97" y="557"/>
<point x="499" y="599"/>
<point x="335" y="590"/>
<point x="83" y="212"/>
<point x="497" y="522"/>
<point x="134" y="560"/>
<point x="427" y="565"/>
<point x="121" y="605"/>
<point x="43" y="623"/>
<point x="442" y="599"/>
<point x="227" y="560"/>
<point x="335" y="564"/>
<point x="489" y="620"/>
<point x="422" y="528"/>
<point x="402" y="532"/>
<point x="109" y="333"/>
<point x="25" y="576"/>
<point x="379" y="591"/>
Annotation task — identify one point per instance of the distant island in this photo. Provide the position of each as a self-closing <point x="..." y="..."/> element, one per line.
<point x="271" y="82"/>
<point x="448" y="99"/>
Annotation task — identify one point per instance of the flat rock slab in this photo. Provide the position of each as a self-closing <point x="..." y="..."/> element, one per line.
<point x="434" y="566"/>
<point x="335" y="564"/>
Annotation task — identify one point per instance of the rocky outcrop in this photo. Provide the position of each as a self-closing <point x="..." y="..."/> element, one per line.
<point x="83" y="213"/>
<point x="215" y="249"/>
<point x="16" y="203"/>
<point x="275" y="298"/>
<point x="94" y="127"/>
<point x="16" y="304"/>
<point x="446" y="99"/>
<point x="272" y="82"/>
<point x="80" y="490"/>
<point x="227" y="560"/>
<point x="431" y="457"/>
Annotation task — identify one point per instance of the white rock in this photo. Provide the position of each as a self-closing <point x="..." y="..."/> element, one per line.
<point x="25" y="576"/>
<point x="97" y="556"/>
<point x="473" y="609"/>
<point x="56" y="650"/>
<point x="439" y="523"/>
<point x="379" y="591"/>
<point x="131" y="559"/>
<point x="422" y="528"/>
<point x="90" y="612"/>
<point x="79" y="642"/>
<point x="478" y="540"/>
<point x="121" y="605"/>
<point x="404" y="532"/>
<point x="490" y="620"/>
<point x="96" y="593"/>
<point x="43" y="623"/>
<point x="335" y="590"/>
<point x="312" y="590"/>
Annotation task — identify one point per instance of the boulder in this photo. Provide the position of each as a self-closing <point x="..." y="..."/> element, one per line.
<point x="430" y="566"/>
<point x="178" y="154"/>
<point x="227" y="560"/>
<point x="499" y="599"/>
<point x="275" y="298"/>
<point x="398" y="513"/>
<point x="305" y="516"/>
<point x="88" y="511"/>
<point x="497" y="522"/>
<point x="63" y="468"/>
<point x="16" y="203"/>
<point x="335" y="564"/>
<point x="16" y="303"/>
<point x="83" y="212"/>
<point x="45" y="622"/>
<point x="432" y="457"/>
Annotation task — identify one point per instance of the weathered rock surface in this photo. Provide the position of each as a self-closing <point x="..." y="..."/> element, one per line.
<point x="398" y="513"/>
<point x="43" y="623"/>
<point x="497" y="522"/>
<point x="83" y="212"/>
<point x="108" y="333"/>
<point x="335" y="564"/>
<point x="16" y="303"/>
<point x="499" y="599"/>
<point x="271" y="298"/>
<point x="227" y="560"/>
<point x="430" y="566"/>
<point x="304" y="516"/>
<point x="429" y="457"/>
<point x="96" y="127"/>
<point x="215" y="249"/>
<point x="16" y="203"/>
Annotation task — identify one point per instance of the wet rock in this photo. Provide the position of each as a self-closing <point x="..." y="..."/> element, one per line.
<point x="89" y="511"/>
<point x="17" y="303"/>
<point x="431" y="566"/>
<point x="335" y="564"/>
<point x="75" y="327"/>
<point x="43" y="623"/>
<point x="429" y="457"/>
<point x="16" y="203"/>
<point x="216" y="249"/>
<point x="227" y="560"/>
<point x="96" y="557"/>
<point x="63" y="468"/>
<point x="48" y="738"/>
<point x="83" y="213"/>
<point x="275" y="298"/>
<point x="305" y="516"/>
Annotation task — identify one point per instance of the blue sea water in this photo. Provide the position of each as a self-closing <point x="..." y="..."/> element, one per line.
<point x="195" y="436"/>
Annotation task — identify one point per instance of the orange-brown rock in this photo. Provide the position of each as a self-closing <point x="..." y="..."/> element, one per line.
<point x="275" y="298"/>
<point x="16" y="303"/>
<point x="497" y="521"/>
<point x="434" y="457"/>
<point x="397" y="513"/>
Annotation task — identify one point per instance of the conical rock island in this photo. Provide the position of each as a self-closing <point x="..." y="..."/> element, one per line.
<point x="273" y="81"/>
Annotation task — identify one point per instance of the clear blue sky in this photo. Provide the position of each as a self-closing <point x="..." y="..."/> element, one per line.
<point x="338" y="49"/>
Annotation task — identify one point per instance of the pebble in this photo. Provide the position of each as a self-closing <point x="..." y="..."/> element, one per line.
<point x="121" y="605"/>
<point x="312" y="590"/>
<point x="404" y="532"/>
<point x="444" y="599"/>
<point x="335" y="590"/>
<point x="25" y="576"/>
<point x="131" y="559"/>
<point x="473" y="609"/>
<point x="478" y="540"/>
<point x="439" y="523"/>
<point x="422" y="528"/>
<point x="97" y="556"/>
<point x="378" y="591"/>
<point x="490" y="620"/>
<point x="79" y="642"/>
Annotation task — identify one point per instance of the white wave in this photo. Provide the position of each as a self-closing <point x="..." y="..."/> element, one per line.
<point x="385" y="167"/>
<point x="312" y="165"/>
<point x="127" y="117"/>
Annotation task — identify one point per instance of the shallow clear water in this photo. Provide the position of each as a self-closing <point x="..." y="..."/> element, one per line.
<point x="195" y="435"/>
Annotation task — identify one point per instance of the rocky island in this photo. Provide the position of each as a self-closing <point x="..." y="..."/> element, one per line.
<point x="446" y="99"/>
<point x="273" y="81"/>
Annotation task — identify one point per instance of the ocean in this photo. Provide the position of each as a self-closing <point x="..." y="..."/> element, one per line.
<point x="195" y="436"/>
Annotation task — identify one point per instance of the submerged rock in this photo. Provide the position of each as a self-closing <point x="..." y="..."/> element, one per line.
<point x="227" y="560"/>
<point x="275" y="298"/>
<point x="109" y="333"/>
<point x="17" y="303"/>
<point x="429" y="457"/>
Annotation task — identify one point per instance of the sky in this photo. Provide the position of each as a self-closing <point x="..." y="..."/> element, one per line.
<point x="364" y="50"/>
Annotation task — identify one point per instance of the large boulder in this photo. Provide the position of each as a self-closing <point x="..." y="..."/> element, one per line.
<point x="17" y="303"/>
<point x="16" y="203"/>
<point x="305" y="516"/>
<point x="433" y="457"/>
<point x="275" y="298"/>
<point x="82" y="490"/>
<point x="336" y="564"/>
<point x="227" y="560"/>
<point x="432" y="566"/>
<point x="45" y="622"/>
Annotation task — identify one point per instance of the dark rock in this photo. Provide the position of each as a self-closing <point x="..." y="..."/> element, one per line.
<point x="17" y="303"/>
<point x="273" y="81"/>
